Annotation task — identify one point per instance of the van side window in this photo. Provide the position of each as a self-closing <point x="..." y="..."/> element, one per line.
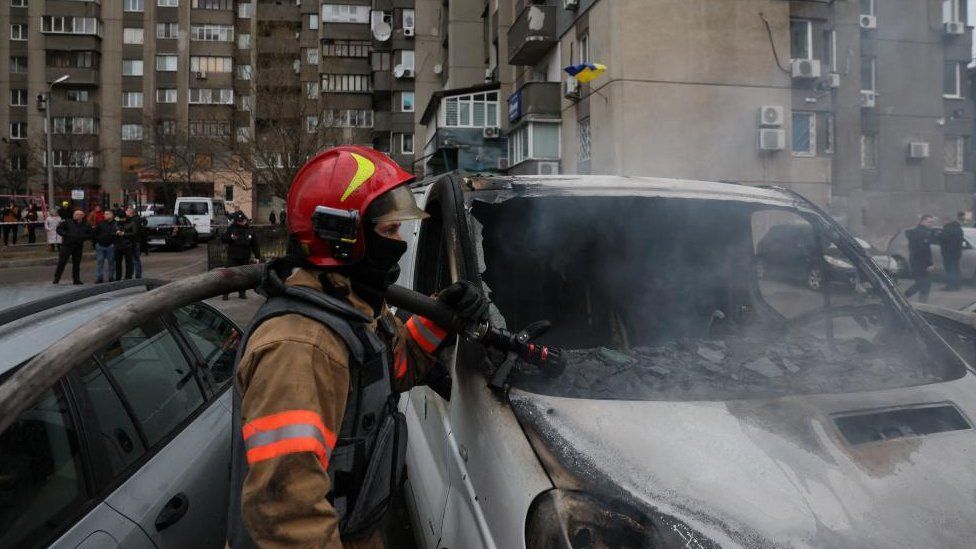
<point x="193" y="208"/>
<point x="155" y="378"/>
<point x="41" y="478"/>
<point x="116" y="432"/>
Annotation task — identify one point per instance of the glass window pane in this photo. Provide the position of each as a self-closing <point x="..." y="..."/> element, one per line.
<point x="801" y="133"/>
<point x="492" y="119"/>
<point x="464" y="113"/>
<point x="213" y="336"/>
<point x="798" y="39"/>
<point x="545" y="141"/>
<point x="40" y="473"/>
<point x="451" y="115"/>
<point x="950" y="81"/>
<point x="479" y="115"/>
<point x="116" y="432"/>
<point x="155" y="378"/>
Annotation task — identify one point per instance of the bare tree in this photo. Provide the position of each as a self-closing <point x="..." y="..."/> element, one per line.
<point x="292" y="123"/>
<point x="17" y="166"/>
<point x="176" y="158"/>
<point x="74" y="160"/>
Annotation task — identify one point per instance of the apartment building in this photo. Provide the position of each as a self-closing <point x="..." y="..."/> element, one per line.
<point x="166" y="97"/>
<point x="860" y="105"/>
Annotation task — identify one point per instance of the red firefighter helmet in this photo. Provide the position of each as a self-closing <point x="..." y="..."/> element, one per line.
<point x="329" y="198"/>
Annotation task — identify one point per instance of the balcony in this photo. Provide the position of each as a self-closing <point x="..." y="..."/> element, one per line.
<point x="532" y="35"/>
<point x="535" y="99"/>
<point x="78" y="76"/>
<point x="278" y="11"/>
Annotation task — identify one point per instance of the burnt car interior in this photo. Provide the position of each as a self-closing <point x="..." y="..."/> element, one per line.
<point x="659" y="298"/>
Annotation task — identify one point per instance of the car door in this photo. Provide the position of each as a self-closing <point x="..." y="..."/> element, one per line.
<point x="48" y="493"/>
<point x="179" y="495"/>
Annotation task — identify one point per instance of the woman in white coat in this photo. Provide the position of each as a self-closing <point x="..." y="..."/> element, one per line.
<point x="51" y="227"/>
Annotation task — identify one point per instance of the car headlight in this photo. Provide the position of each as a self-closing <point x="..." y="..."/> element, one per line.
<point x="837" y="263"/>
<point x="566" y="519"/>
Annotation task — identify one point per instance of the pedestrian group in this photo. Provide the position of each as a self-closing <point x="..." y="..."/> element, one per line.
<point x="115" y="234"/>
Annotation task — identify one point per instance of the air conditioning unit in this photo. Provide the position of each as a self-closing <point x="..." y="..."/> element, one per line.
<point x="548" y="168"/>
<point x="918" y="149"/>
<point x="954" y="28"/>
<point x="868" y="99"/>
<point x="772" y="139"/>
<point x="571" y="88"/>
<point x="400" y="71"/>
<point x="806" y="68"/>
<point x="491" y="132"/>
<point x="408" y="31"/>
<point x="770" y="116"/>
<point x="201" y="75"/>
<point x="869" y="22"/>
<point x="570" y="4"/>
<point x="833" y="80"/>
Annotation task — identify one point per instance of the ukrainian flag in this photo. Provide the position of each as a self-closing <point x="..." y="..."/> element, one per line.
<point x="585" y="72"/>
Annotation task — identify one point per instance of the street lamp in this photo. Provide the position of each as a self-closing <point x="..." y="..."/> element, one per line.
<point x="50" y="130"/>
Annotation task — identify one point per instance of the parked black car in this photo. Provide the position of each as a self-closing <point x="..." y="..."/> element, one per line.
<point x="789" y="253"/>
<point x="170" y="231"/>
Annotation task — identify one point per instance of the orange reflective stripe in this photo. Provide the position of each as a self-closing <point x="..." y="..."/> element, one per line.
<point x="427" y="334"/>
<point x="284" y="419"/>
<point x="289" y="446"/>
<point x="400" y="365"/>
<point x="439" y="332"/>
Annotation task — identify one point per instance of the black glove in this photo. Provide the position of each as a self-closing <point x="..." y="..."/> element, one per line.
<point x="466" y="300"/>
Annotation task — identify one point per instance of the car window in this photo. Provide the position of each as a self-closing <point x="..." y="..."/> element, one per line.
<point x="155" y="378"/>
<point x="116" y="432"/>
<point x="41" y="480"/>
<point x="213" y="336"/>
<point x="159" y="220"/>
<point x="193" y="208"/>
<point x="433" y="271"/>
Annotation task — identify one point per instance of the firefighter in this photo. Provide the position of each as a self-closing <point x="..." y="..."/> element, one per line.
<point x="318" y="441"/>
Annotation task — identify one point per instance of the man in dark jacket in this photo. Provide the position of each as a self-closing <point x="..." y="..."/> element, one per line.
<point x="74" y="233"/>
<point x="138" y="241"/>
<point x="951" y="242"/>
<point x="106" y="234"/>
<point x="241" y="243"/>
<point x="920" y="241"/>
<point x="125" y="244"/>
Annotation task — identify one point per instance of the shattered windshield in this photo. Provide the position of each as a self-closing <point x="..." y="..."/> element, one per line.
<point x="695" y="299"/>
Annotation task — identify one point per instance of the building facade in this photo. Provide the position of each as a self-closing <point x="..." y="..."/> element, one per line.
<point x="167" y="97"/>
<point x="861" y="106"/>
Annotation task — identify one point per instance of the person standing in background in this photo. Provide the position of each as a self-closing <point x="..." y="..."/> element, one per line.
<point x="10" y="216"/>
<point x="105" y="236"/>
<point x="241" y="243"/>
<point x="138" y="240"/>
<point x="51" y="228"/>
<point x="920" y="241"/>
<point x="96" y="216"/>
<point x="951" y="241"/>
<point x="123" y="246"/>
<point x="273" y="218"/>
<point x="31" y="218"/>
<point x="284" y="216"/>
<point x="75" y="232"/>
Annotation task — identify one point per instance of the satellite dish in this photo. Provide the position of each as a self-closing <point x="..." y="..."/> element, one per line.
<point x="398" y="71"/>
<point x="438" y="68"/>
<point x="382" y="31"/>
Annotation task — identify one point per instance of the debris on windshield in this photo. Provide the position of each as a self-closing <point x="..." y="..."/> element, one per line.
<point x="615" y="357"/>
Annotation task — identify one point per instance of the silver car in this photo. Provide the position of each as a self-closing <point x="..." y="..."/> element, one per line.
<point x="130" y="449"/>
<point x="898" y="250"/>
<point x="699" y="406"/>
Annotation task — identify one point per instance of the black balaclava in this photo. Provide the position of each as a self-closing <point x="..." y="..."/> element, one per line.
<point x="380" y="266"/>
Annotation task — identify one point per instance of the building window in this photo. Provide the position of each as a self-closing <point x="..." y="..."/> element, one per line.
<point x="382" y="61"/>
<point x="245" y="10"/>
<point x="954" y="154"/>
<point x="867" y="7"/>
<point x="18" y="32"/>
<point x="211" y="64"/>
<point x="405" y="58"/>
<point x="312" y="90"/>
<point x="953" y="11"/>
<point x="18" y="130"/>
<point x="243" y="134"/>
<point x="73" y="159"/>
<point x="70" y="25"/>
<point x="18" y="64"/>
<point x="166" y="63"/>
<point x="313" y="21"/>
<point x="78" y="96"/>
<point x="209" y="128"/>
<point x="133" y="36"/>
<point x="167" y="30"/>
<point x="18" y="4"/>
<point x="406" y="142"/>
<point x="534" y="141"/>
<point x="801" y="39"/>
<point x="244" y="72"/>
<point x="228" y="193"/>
<point x="133" y="5"/>
<point x="244" y="41"/>
<point x="166" y="95"/>
<point x="72" y="59"/>
<point x="212" y="33"/>
<point x="131" y="67"/>
<point x="829" y="135"/>
<point x="349" y="118"/>
<point x="213" y="4"/>
<point x="168" y="3"/>
<point x="347" y="83"/>
<point x="335" y="13"/>
<point x="246" y="102"/>
<point x="869" y="74"/>
<point x="406" y="101"/>
<point x="869" y="151"/>
<point x="583" y="131"/>
<point x="804" y="134"/>
<point x="18" y="98"/>
<point x="952" y="80"/>
<point x="584" y="48"/>
<point x="312" y="56"/>
<point x="131" y="132"/>
<point x="477" y="110"/>
<point x="346" y="48"/>
<point x="65" y="125"/>
<point x="211" y="96"/>
<point x="132" y="100"/>
<point x="17" y="163"/>
<point x="311" y="123"/>
<point x="830" y="50"/>
<point x="166" y="127"/>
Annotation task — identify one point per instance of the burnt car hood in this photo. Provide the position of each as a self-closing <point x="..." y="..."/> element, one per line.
<point x="771" y="473"/>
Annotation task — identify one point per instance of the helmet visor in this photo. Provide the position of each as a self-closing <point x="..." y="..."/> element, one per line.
<point x="397" y="204"/>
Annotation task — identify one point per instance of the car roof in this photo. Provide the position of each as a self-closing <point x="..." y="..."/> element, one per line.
<point x="42" y="326"/>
